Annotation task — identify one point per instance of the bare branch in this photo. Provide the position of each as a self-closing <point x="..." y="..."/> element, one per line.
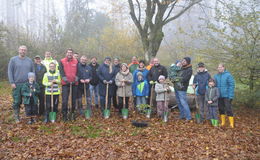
<point x="182" y="11"/>
<point x="169" y="13"/>
<point x="133" y="16"/>
<point x="139" y="10"/>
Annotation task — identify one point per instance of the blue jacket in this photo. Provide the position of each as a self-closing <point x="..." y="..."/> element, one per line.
<point x="103" y="74"/>
<point x="141" y="88"/>
<point x="144" y="72"/>
<point x="84" y="71"/>
<point x="226" y="84"/>
<point x="201" y="81"/>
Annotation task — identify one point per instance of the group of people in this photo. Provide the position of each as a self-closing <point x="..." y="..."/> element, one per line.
<point x="38" y="85"/>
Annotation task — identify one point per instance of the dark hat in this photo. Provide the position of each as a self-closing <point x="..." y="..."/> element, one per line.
<point x="188" y="60"/>
<point x="201" y="64"/>
<point x="107" y="58"/>
<point x="177" y="61"/>
<point x="37" y="57"/>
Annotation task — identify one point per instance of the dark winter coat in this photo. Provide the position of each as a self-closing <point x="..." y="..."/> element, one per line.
<point x="212" y="94"/>
<point x="94" y="69"/>
<point x="185" y="74"/>
<point x="117" y="68"/>
<point x="103" y="74"/>
<point x="226" y="84"/>
<point x="156" y="71"/>
<point x="28" y="88"/>
<point x="201" y="81"/>
<point x="39" y="73"/>
<point x="84" y="72"/>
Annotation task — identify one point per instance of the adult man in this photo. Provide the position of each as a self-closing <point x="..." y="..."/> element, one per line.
<point x="94" y="81"/>
<point x="40" y="70"/>
<point x="154" y="74"/>
<point x="181" y="89"/>
<point x="117" y="69"/>
<point x="48" y="59"/>
<point x="18" y="69"/>
<point x="226" y="85"/>
<point x="76" y="56"/>
<point x="133" y="65"/>
<point x="84" y="72"/>
<point x="200" y="83"/>
<point x="69" y="74"/>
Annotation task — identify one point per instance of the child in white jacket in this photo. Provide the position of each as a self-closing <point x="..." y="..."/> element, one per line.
<point x="162" y="96"/>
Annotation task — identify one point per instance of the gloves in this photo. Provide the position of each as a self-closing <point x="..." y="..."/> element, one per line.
<point x="105" y="82"/>
<point x="152" y="82"/>
<point x="110" y="82"/>
<point x="76" y="79"/>
<point x="65" y="79"/>
<point x="146" y="96"/>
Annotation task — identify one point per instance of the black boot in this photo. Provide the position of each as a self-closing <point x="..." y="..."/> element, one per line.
<point x="64" y="117"/>
<point x="16" y="115"/>
<point x="46" y="118"/>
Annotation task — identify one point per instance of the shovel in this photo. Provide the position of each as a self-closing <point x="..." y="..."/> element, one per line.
<point x="124" y="110"/>
<point x="70" y="114"/>
<point x="88" y="110"/>
<point x="52" y="114"/>
<point x="197" y="115"/>
<point x="106" y="111"/>
<point x="149" y="110"/>
<point x="165" y="113"/>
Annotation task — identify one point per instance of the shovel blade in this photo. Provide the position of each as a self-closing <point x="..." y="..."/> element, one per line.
<point x="148" y="113"/>
<point x="52" y="116"/>
<point x="125" y="113"/>
<point x="87" y="113"/>
<point x="197" y="117"/>
<point x="106" y="113"/>
<point x="165" y="116"/>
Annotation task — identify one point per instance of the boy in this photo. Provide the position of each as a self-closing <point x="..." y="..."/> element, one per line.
<point x="162" y="97"/>
<point x="140" y="89"/>
<point x="51" y="81"/>
<point x="211" y="98"/>
<point x="30" y="91"/>
<point x="200" y="83"/>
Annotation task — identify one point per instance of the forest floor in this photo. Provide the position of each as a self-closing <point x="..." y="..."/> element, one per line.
<point x="115" y="138"/>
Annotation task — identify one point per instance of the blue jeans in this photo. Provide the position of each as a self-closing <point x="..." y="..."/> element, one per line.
<point x="183" y="104"/>
<point x="140" y="100"/>
<point x="94" y="92"/>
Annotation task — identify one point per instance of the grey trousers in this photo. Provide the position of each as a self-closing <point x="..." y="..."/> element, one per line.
<point x="203" y="107"/>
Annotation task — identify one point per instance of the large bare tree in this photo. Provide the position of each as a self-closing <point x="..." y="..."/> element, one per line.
<point x="151" y="18"/>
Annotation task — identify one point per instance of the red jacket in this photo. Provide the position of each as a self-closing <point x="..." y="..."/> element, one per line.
<point x="69" y="69"/>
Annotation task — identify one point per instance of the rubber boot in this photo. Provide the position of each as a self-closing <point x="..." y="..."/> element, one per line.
<point x="215" y="123"/>
<point x="231" y="122"/>
<point x="46" y="118"/>
<point x="16" y="116"/>
<point x="223" y="119"/>
<point x="212" y="122"/>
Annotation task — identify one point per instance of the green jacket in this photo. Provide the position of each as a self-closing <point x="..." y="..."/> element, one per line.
<point x="28" y="89"/>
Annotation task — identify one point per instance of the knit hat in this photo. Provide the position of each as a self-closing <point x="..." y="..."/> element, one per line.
<point x="161" y="77"/>
<point x="116" y="58"/>
<point x="124" y="64"/>
<point x="177" y="61"/>
<point x="107" y="58"/>
<point x="37" y="57"/>
<point x="31" y="74"/>
<point x="188" y="60"/>
<point x="201" y="64"/>
<point x="139" y="74"/>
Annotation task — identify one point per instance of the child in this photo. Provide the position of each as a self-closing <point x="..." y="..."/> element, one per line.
<point x="51" y="80"/>
<point x="211" y="98"/>
<point x="162" y="97"/>
<point x="30" y="91"/>
<point x="124" y="80"/>
<point x="200" y="82"/>
<point x="174" y="73"/>
<point x="140" y="89"/>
